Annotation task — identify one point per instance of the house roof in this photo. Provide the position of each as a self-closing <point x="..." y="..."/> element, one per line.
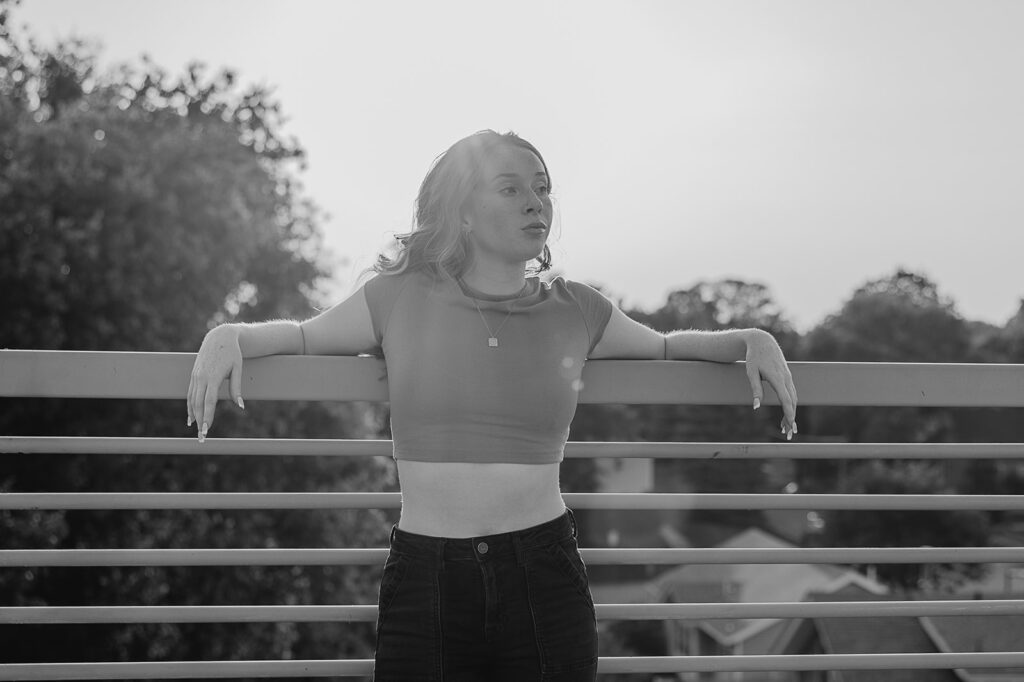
<point x="752" y="583"/>
<point x="866" y="636"/>
<point x="979" y="633"/>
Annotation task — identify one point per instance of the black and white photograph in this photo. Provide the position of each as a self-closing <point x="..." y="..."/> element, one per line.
<point x="541" y="341"/>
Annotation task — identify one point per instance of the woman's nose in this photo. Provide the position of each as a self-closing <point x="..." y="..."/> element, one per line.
<point x="534" y="203"/>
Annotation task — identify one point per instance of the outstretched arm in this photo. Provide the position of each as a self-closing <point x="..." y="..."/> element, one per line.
<point x="344" y="329"/>
<point x="625" y="338"/>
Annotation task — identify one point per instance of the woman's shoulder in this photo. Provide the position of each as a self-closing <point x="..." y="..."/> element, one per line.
<point x="383" y="288"/>
<point x="593" y="306"/>
<point x="385" y="281"/>
<point x="572" y="287"/>
<point x="418" y="284"/>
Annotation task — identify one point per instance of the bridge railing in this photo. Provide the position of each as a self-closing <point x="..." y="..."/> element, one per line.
<point x="96" y="375"/>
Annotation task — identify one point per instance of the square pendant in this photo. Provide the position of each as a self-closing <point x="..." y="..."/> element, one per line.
<point x="492" y="342"/>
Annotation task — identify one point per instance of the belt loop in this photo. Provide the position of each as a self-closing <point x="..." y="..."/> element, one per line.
<point x="392" y="539"/>
<point x="572" y="521"/>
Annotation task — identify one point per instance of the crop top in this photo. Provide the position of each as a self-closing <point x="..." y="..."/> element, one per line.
<point x="453" y="397"/>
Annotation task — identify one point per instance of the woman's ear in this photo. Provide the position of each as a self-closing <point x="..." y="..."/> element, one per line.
<point x="466" y="217"/>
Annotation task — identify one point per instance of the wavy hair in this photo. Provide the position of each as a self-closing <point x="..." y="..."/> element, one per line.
<point x="436" y="243"/>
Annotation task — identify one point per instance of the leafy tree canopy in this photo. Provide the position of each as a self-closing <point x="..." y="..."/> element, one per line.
<point x="722" y="304"/>
<point x="138" y="209"/>
<point x="899" y="318"/>
<point x="966" y="528"/>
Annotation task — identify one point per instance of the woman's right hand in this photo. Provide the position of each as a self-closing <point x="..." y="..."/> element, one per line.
<point x="218" y="358"/>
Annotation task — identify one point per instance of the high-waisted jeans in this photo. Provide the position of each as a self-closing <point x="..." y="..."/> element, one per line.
<point x="511" y="606"/>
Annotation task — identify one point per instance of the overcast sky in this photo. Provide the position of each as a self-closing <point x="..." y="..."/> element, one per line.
<point x="807" y="145"/>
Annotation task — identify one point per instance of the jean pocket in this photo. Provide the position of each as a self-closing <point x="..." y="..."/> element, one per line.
<point x="390" y="581"/>
<point x="567" y="556"/>
<point x="563" y="611"/>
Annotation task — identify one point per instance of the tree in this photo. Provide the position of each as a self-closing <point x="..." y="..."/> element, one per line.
<point x="140" y="209"/>
<point x="958" y="528"/>
<point x="899" y="318"/>
<point x="723" y="304"/>
<point x="1002" y="425"/>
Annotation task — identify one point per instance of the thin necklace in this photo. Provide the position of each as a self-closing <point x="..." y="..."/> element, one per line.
<point x="492" y="339"/>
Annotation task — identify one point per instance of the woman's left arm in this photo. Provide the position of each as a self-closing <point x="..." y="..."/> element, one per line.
<point x="625" y="338"/>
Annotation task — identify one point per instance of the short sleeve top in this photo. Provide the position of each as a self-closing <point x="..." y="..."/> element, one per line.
<point x="454" y="397"/>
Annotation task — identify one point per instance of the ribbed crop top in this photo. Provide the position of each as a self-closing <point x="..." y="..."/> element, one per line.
<point x="456" y="399"/>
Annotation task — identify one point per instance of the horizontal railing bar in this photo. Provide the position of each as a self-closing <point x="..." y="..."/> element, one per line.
<point x="354" y="500"/>
<point x="96" y="374"/>
<point x="50" y="615"/>
<point x="95" y="445"/>
<point x="179" y="670"/>
<point x="606" y="664"/>
<point x="342" y="447"/>
<point x="591" y="555"/>
<point x="774" y="610"/>
<point x="668" y="664"/>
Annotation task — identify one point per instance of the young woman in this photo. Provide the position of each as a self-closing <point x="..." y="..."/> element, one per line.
<point x="484" y="579"/>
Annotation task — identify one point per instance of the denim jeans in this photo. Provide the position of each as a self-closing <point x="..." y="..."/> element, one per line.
<point x="511" y="606"/>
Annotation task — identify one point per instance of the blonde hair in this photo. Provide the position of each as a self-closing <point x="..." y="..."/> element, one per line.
<point x="436" y="243"/>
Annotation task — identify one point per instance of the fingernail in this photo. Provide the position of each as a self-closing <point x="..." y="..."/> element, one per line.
<point x="757" y="403"/>
<point x="789" y="436"/>
<point x="240" y="403"/>
<point x="794" y="428"/>
<point x="202" y="433"/>
<point x="188" y="422"/>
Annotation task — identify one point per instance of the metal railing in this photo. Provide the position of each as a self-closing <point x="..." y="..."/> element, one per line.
<point x="73" y="374"/>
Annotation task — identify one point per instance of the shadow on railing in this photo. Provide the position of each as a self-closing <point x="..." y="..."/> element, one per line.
<point x="53" y="374"/>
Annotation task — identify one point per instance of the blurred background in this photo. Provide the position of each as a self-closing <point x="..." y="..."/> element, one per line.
<point x="845" y="175"/>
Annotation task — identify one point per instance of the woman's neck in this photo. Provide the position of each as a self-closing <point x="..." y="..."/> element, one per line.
<point x="504" y="282"/>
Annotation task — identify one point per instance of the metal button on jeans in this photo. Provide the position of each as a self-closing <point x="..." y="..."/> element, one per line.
<point x="482" y="548"/>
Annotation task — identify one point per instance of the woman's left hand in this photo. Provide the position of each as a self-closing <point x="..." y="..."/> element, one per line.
<point x="765" y="360"/>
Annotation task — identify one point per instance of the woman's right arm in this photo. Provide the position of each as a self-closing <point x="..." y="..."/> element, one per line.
<point x="344" y="329"/>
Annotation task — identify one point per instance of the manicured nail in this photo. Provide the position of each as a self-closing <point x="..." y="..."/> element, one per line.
<point x="794" y="428"/>
<point x="188" y="422"/>
<point x="202" y="433"/>
<point x="757" y="403"/>
<point x="789" y="436"/>
<point x="240" y="403"/>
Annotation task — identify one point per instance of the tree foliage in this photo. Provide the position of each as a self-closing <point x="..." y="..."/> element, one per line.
<point x="140" y="209"/>
<point x="717" y="305"/>
<point x="899" y="318"/>
<point x="723" y="304"/>
<point x="957" y="528"/>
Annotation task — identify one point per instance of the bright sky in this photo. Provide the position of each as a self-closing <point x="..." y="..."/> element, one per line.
<point x="809" y="145"/>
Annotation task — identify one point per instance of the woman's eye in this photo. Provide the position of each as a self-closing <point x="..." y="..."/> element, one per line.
<point x="543" y="189"/>
<point x="509" y="191"/>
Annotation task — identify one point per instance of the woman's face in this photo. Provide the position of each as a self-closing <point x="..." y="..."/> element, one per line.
<point x="508" y="214"/>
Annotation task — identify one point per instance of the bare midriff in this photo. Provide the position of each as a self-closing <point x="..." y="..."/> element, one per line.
<point x="470" y="499"/>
